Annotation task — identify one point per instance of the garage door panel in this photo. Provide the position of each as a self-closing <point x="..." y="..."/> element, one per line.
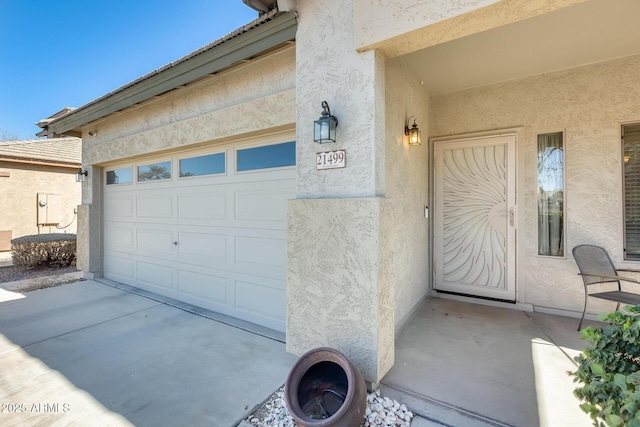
<point x="203" y="205"/>
<point x="260" y="300"/>
<point x="203" y="286"/>
<point x="264" y="175"/>
<point x="258" y="252"/>
<point x="155" y="240"/>
<point x="119" y="268"/>
<point x="157" y="206"/>
<point x="118" y="235"/>
<point x="203" y="248"/>
<point x="154" y="275"/>
<point x="230" y="231"/>
<point x="119" y="207"/>
<point x="262" y="205"/>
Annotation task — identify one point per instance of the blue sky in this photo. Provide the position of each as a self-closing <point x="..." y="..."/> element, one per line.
<point x="65" y="53"/>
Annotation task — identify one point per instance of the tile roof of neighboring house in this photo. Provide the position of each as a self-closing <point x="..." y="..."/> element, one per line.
<point x="51" y="151"/>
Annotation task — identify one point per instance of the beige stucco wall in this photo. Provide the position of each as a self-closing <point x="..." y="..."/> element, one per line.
<point x="337" y="281"/>
<point x="397" y="27"/>
<point x="18" y="193"/>
<point x="587" y="103"/>
<point x="246" y="99"/>
<point x="407" y="190"/>
<point x="89" y="242"/>
<point x="346" y="207"/>
<point x="328" y="69"/>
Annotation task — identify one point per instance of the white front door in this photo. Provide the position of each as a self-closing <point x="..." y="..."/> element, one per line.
<point x="474" y="239"/>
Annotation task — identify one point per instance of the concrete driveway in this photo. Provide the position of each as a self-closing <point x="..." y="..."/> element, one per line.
<point x="88" y="353"/>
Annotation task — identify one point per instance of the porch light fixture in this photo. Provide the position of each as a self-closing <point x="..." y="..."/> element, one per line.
<point x="324" y="129"/>
<point x="413" y="133"/>
<point x="81" y="176"/>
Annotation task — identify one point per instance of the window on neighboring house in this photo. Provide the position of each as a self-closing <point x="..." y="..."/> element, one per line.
<point x="119" y="176"/>
<point x="631" y="162"/>
<point x="551" y="194"/>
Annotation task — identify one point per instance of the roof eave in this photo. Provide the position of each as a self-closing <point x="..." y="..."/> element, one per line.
<point x="41" y="162"/>
<point x="266" y="36"/>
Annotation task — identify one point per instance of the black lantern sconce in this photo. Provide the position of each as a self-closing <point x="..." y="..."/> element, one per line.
<point x="413" y="133"/>
<point x="81" y="176"/>
<point x="324" y="129"/>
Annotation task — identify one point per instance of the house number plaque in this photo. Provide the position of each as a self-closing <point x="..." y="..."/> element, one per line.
<point x="331" y="159"/>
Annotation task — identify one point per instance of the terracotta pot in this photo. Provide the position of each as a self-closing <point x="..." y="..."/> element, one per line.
<point x="325" y="389"/>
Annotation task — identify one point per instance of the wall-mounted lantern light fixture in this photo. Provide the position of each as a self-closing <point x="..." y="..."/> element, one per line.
<point x="413" y="133"/>
<point x="81" y="176"/>
<point x="324" y="129"/>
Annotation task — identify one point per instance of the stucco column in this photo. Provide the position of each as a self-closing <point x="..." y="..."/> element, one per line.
<point x="338" y="291"/>
<point x="89" y="242"/>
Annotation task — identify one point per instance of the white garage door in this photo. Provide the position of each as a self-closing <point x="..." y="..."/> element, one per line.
<point x="204" y="227"/>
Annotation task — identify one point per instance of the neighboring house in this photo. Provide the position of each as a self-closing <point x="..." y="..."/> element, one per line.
<point x="205" y="183"/>
<point x="38" y="187"/>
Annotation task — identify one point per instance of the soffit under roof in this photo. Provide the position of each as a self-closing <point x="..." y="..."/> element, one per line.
<point x="589" y="32"/>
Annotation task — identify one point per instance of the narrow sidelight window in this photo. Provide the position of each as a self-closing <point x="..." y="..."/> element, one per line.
<point x="551" y="194"/>
<point x="631" y="165"/>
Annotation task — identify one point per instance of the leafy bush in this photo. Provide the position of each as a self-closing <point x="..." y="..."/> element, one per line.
<point x="44" y="250"/>
<point x="609" y="369"/>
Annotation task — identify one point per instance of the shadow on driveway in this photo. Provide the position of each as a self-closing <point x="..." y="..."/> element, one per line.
<point x="89" y="353"/>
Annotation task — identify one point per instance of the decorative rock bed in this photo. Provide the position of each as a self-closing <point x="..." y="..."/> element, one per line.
<point x="380" y="411"/>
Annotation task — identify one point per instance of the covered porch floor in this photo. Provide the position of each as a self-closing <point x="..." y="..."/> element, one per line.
<point x="465" y="364"/>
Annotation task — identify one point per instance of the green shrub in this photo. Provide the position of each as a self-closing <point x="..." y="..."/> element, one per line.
<point x="44" y="250"/>
<point x="609" y="369"/>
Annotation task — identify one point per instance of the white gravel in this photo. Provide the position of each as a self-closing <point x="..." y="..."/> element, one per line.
<point x="380" y="411"/>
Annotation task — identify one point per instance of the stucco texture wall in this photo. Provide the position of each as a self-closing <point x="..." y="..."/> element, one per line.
<point x="19" y="190"/>
<point x="339" y="250"/>
<point x="247" y="99"/>
<point x="328" y="69"/>
<point x="337" y="281"/>
<point x="587" y="103"/>
<point x="406" y="185"/>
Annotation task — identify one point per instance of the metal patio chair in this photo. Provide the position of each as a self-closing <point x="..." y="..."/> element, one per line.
<point x="596" y="267"/>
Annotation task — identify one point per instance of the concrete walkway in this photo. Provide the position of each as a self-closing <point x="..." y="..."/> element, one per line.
<point x="86" y="353"/>
<point x="463" y="364"/>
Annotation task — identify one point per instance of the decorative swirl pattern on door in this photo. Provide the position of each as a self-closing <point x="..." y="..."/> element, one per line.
<point x="474" y="202"/>
<point x="474" y="221"/>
